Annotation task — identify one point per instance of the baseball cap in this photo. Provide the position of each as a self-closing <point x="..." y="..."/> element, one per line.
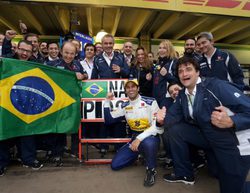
<point x="135" y="81"/>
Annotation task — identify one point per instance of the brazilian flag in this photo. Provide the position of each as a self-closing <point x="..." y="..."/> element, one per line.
<point x="37" y="99"/>
<point x="94" y="89"/>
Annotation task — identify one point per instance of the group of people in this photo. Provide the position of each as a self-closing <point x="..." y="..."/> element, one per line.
<point x="196" y="100"/>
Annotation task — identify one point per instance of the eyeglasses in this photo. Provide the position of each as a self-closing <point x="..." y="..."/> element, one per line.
<point x="24" y="50"/>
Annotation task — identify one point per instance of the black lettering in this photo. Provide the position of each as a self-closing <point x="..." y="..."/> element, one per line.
<point x="98" y="109"/>
<point x="113" y="87"/>
<point x="88" y="107"/>
<point x="122" y="93"/>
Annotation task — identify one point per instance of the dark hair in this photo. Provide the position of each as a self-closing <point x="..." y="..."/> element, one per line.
<point x="174" y="83"/>
<point x="147" y="63"/>
<point x="52" y="43"/>
<point x="31" y="35"/>
<point x="190" y="38"/>
<point x="26" y="42"/>
<point x="187" y="60"/>
<point x="151" y="53"/>
<point x="89" y="45"/>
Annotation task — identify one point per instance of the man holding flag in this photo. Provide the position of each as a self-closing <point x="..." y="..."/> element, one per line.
<point x="32" y="96"/>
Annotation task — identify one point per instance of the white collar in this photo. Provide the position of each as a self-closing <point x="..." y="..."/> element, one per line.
<point x="194" y="90"/>
<point x="136" y="100"/>
<point x="105" y="55"/>
<point x="211" y="54"/>
<point x="89" y="61"/>
<point x="51" y="59"/>
<point x="128" y="56"/>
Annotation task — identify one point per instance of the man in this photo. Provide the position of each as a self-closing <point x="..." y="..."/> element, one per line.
<point x="139" y="112"/>
<point x="14" y="47"/>
<point x="36" y="55"/>
<point x="218" y="63"/>
<point x="128" y="52"/>
<point x="99" y="49"/>
<point x="43" y="49"/>
<point x="23" y="51"/>
<point x="151" y="57"/>
<point x="53" y="52"/>
<point x="26" y="144"/>
<point x="189" y="49"/>
<point x="78" y="46"/>
<point x="110" y="65"/>
<point x="88" y="62"/>
<point x="67" y="62"/>
<point x="174" y="89"/>
<point x="207" y="114"/>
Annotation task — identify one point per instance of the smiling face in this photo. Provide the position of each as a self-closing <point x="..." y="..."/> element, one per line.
<point x="140" y="56"/>
<point x="174" y="90"/>
<point x="189" y="46"/>
<point x="99" y="49"/>
<point x="53" y="50"/>
<point x="205" y="46"/>
<point x="108" y="44"/>
<point x="68" y="52"/>
<point x="34" y="41"/>
<point x="24" y="51"/>
<point x="188" y="75"/>
<point x="128" y="48"/>
<point x="163" y="50"/>
<point x="132" y="90"/>
<point x="90" y="52"/>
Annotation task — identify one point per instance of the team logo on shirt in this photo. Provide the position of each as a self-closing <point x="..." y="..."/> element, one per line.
<point x="137" y="123"/>
<point x="128" y="108"/>
<point x="237" y="94"/>
<point x="219" y="58"/>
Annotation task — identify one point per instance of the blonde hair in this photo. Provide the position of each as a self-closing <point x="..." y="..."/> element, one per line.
<point x="147" y="63"/>
<point x="171" y="53"/>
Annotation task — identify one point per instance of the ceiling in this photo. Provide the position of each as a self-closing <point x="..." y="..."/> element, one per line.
<point x="54" y="19"/>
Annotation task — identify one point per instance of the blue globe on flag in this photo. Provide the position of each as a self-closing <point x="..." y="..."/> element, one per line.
<point x="32" y="95"/>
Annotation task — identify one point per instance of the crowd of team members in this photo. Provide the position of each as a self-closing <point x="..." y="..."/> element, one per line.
<point x="157" y="78"/>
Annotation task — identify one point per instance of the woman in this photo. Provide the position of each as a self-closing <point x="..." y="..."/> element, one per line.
<point x="164" y="71"/>
<point x="141" y="68"/>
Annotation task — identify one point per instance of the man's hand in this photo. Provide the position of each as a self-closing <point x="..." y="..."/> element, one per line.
<point x="220" y="118"/>
<point x="163" y="71"/>
<point x="80" y="76"/>
<point x="148" y="76"/>
<point x="135" y="144"/>
<point x="22" y="27"/>
<point x="110" y="96"/>
<point x="160" y="116"/>
<point x="10" y="34"/>
<point x="116" y="68"/>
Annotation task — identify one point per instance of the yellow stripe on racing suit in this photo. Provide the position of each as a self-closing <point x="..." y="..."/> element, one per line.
<point x="140" y="115"/>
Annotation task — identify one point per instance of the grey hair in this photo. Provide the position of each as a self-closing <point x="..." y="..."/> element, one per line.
<point x="207" y="35"/>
